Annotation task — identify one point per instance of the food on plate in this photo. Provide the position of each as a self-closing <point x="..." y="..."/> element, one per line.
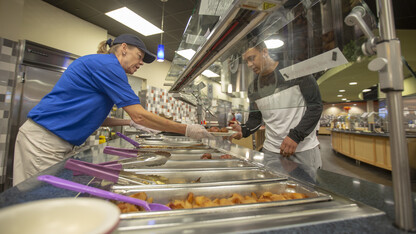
<point x="213" y="129"/>
<point x="206" y="156"/>
<point x="224" y="129"/>
<point x="192" y="201"/>
<point x="226" y="156"/>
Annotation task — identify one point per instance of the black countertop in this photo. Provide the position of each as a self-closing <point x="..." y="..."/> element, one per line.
<point x="374" y="195"/>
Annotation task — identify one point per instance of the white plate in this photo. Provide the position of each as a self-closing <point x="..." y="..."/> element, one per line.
<point x="229" y="133"/>
<point x="60" y="215"/>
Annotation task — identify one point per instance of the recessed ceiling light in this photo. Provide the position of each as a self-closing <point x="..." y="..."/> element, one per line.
<point x="347" y="100"/>
<point x="188" y="53"/>
<point x="273" y="43"/>
<point x="209" y="73"/>
<point x="344" y="99"/>
<point x="134" y="21"/>
<point x="342" y="90"/>
<point x="339" y="95"/>
<point x="353" y="83"/>
<point x="366" y="90"/>
<point x="355" y="104"/>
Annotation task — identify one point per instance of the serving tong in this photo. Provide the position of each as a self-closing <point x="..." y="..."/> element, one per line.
<point x="66" y="184"/>
<point x="134" y="153"/>
<point x="113" y="173"/>
<point x="154" y="147"/>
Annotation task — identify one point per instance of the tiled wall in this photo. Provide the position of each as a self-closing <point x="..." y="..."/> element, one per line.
<point x="8" y="56"/>
<point x="159" y="101"/>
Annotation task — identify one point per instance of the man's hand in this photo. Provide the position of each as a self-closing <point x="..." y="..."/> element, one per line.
<point x="238" y="135"/>
<point x="197" y="131"/>
<point x="143" y="128"/>
<point x="288" y="147"/>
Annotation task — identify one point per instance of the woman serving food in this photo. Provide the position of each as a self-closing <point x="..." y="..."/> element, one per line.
<point x="80" y="102"/>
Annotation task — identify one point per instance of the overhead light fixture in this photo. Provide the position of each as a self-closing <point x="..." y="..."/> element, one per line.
<point x="341" y="90"/>
<point x="134" y="21"/>
<point x="188" y="53"/>
<point x="210" y="74"/>
<point x="366" y="90"/>
<point x="339" y="95"/>
<point x="344" y="99"/>
<point x="273" y="43"/>
<point x="353" y="83"/>
<point x="161" y="47"/>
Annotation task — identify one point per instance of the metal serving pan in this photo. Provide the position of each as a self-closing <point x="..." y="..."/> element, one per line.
<point x="173" y="144"/>
<point x="208" y="178"/>
<point x="174" y="151"/>
<point x="166" y="195"/>
<point x="200" y="165"/>
<point x="215" y="156"/>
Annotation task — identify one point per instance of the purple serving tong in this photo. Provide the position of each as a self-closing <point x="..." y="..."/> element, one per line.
<point x="106" y="173"/>
<point x="132" y="154"/>
<point x="126" y="153"/>
<point x="66" y="184"/>
<point x="133" y="142"/>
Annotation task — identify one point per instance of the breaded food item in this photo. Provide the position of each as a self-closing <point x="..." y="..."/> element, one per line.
<point x="213" y="129"/>
<point x="224" y="129"/>
<point x="193" y="201"/>
<point x="226" y="156"/>
<point x="206" y="156"/>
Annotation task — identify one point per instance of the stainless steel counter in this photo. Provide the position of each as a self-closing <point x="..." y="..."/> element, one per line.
<point x="323" y="211"/>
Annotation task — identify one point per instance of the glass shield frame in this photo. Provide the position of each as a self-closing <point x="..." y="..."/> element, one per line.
<point x="283" y="64"/>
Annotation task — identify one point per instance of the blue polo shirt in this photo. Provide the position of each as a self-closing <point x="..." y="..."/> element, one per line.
<point x="83" y="97"/>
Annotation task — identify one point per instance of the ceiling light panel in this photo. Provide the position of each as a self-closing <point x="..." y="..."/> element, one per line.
<point x="188" y="53"/>
<point x="134" y="21"/>
<point x="209" y="73"/>
<point x="273" y="43"/>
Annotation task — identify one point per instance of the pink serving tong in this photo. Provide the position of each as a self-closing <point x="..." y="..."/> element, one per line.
<point x="66" y="184"/>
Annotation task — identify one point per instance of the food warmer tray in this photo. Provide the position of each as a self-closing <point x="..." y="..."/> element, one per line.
<point x="192" y="165"/>
<point x="166" y="195"/>
<point x="208" y="178"/>
<point x="174" y="151"/>
<point x="192" y="156"/>
<point x="321" y="206"/>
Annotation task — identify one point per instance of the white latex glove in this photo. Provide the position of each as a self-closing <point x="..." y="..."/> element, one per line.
<point x="197" y="131"/>
<point x="143" y="128"/>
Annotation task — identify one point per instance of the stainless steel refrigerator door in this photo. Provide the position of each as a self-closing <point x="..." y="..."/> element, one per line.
<point x="38" y="83"/>
<point x="31" y="87"/>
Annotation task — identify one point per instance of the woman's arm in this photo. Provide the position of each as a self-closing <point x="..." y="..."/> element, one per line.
<point x="109" y="122"/>
<point x="145" y="118"/>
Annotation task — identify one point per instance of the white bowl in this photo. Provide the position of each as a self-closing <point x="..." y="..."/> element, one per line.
<point x="60" y="215"/>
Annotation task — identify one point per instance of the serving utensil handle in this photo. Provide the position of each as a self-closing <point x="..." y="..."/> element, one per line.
<point x="133" y="142"/>
<point x="103" y="173"/>
<point x="66" y="184"/>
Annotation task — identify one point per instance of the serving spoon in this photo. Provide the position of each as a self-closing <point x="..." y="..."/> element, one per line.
<point x="66" y="184"/>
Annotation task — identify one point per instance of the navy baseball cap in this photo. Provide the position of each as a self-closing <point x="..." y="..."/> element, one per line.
<point x="135" y="41"/>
